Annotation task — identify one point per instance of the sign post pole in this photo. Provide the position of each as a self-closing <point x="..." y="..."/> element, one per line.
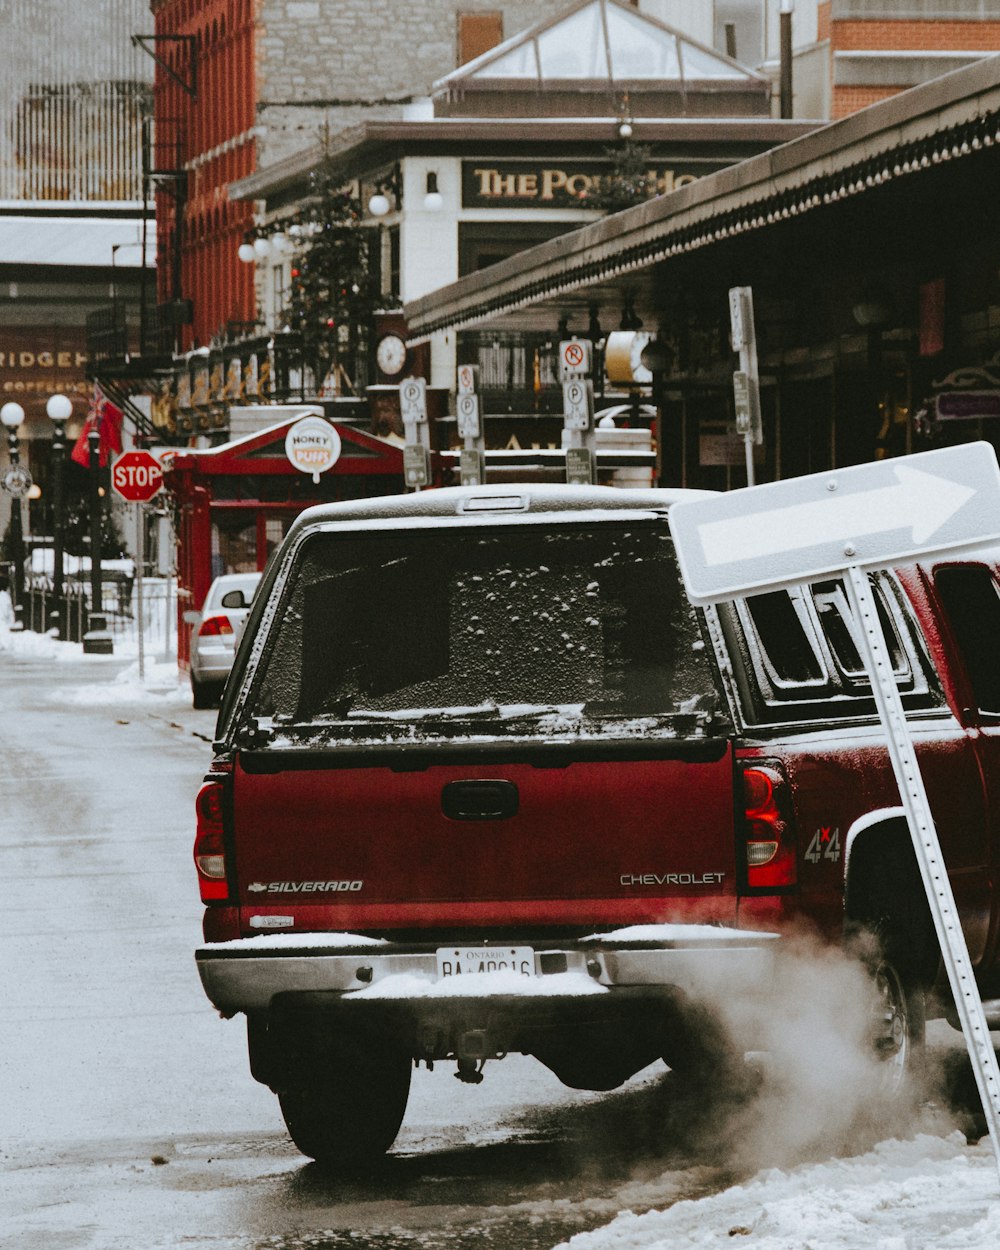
<point x="140" y="556"/>
<point x="954" y="951"/>
<point x="575" y="363"/>
<point x="472" y="462"/>
<point x="416" y="452"/>
<point x="136" y="476"/>
<point x="746" y="385"/>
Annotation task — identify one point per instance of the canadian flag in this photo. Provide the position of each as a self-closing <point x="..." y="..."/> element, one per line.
<point x="106" y="418"/>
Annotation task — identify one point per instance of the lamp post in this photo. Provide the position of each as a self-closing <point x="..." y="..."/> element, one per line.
<point x="59" y="409"/>
<point x="97" y="640"/>
<point x="16" y="482"/>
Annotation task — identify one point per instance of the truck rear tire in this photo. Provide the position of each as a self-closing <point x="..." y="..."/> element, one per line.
<point x="350" y="1114"/>
<point x="898" y="1024"/>
<point x="891" y="931"/>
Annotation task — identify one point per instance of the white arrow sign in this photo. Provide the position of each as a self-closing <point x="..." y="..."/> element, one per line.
<point x="921" y="502"/>
<point x="883" y="513"/>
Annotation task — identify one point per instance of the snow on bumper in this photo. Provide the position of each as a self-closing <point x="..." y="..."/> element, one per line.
<point x="697" y="960"/>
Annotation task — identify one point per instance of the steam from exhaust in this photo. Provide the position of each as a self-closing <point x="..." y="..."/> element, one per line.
<point x="819" y="1086"/>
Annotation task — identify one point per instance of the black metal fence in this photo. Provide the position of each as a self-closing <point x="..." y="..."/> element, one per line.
<point x="42" y="611"/>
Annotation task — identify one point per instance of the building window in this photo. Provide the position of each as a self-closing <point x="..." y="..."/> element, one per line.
<point x="478" y="33"/>
<point x="481" y="244"/>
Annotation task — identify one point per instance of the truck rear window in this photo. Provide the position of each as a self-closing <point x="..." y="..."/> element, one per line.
<point x="578" y="630"/>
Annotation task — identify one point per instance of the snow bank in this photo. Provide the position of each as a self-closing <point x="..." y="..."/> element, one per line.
<point x="160" y="685"/>
<point x="36" y="646"/>
<point x="929" y="1193"/>
<point x="679" y="933"/>
<point x="297" y="941"/>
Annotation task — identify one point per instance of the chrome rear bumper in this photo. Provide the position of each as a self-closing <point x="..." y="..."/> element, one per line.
<point x="246" y="974"/>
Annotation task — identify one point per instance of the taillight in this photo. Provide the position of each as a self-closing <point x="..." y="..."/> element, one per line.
<point x="209" y="848"/>
<point x="212" y="626"/>
<point x="771" y="852"/>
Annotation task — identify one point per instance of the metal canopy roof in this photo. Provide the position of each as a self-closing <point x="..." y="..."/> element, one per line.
<point x="942" y="120"/>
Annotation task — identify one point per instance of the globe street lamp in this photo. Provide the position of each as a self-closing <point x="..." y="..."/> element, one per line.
<point x="59" y="409"/>
<point x="17" y="483"/>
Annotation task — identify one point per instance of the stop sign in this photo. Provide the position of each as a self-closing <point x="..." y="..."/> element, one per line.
<point x="136" y="476"/>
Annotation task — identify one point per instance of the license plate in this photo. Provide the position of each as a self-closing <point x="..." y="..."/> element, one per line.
<point x="456" y="961"/>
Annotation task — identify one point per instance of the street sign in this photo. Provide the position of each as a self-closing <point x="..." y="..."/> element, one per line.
<point x="416" y="465"/>
<point x="413" y="400"/>
<point x="471" y="467"/>
<point x="578" y="403"/>
<point x="467" y="412"/>
<point x="136" y="476"/>
<point x="312" y="446"/>
<point x="741" y="396"/>
<point x="741" y="316"/>
<point x="887" y="512"/>
<point x="574" y="357"/>
<point x="579" y="466"/>
<point x="468" y="379"/>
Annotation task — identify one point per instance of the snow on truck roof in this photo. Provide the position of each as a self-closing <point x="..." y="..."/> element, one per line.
<point x="492" y="501"/>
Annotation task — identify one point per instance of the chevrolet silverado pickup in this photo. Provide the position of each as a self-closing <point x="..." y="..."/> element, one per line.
<point x="486" y="782"/>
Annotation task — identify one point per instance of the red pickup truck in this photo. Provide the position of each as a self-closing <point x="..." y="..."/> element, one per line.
<point x="485" y="781"/>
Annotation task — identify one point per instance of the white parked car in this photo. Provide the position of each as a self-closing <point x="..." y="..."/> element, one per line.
<point x="217" y="630"/>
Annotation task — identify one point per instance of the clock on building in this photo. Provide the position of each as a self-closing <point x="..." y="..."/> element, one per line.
<point x="390" y="355"/>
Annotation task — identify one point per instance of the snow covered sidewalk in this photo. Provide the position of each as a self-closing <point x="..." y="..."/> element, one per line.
<point x="929" y="1193"/>
<point x="161" y="683"/>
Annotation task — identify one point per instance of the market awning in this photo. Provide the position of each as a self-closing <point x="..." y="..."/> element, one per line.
<point x="939" y="121"/>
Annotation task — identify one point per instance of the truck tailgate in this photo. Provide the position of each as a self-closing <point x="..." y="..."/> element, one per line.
<point x="635" y="839"/>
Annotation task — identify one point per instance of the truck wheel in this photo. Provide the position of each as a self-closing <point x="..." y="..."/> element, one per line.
<point x="897" y="1025"/>
<point x="348" y="1115"/>
<point x="890" y="930"/>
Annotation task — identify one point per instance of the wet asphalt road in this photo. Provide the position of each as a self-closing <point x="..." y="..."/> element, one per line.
<point x="129" y="1115"/>
<point x="128" y="1118"/>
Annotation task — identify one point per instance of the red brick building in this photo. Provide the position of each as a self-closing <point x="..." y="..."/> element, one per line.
<point x="879" y="48"/>
<point x="205" y="107"/>
<point x="241" y="83"/>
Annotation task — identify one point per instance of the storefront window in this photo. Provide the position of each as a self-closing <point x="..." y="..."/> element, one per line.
<point x="275" y="529"/>
<point x="234" y="543"/>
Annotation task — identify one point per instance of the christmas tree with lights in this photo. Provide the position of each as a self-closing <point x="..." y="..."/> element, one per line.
<point x="335" y="285"/>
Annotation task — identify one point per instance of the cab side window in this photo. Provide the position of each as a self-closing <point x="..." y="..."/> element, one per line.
<point x="802" y="656"/>
<point x="971" y="603"/>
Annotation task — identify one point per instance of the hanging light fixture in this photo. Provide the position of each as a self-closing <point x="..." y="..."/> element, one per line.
<point x="378" y="205"/>
<point x="246" y="253"/>
<point x="262" y="248"/>
<point x="625" y="119"/>
<point x="433" y="199"/>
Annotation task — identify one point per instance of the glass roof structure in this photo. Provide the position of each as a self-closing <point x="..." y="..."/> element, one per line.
<point x="594" y="41"/>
